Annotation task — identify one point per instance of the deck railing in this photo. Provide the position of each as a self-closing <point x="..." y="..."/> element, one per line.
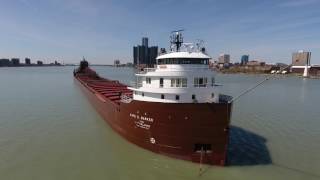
<point x="146" y="70"/>
<point x="135" y="84"/>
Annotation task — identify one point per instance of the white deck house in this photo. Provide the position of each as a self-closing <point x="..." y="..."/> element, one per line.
<point x="181" y="76"/>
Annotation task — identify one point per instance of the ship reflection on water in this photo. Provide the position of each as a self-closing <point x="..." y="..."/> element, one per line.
<point x="247" y="148"/>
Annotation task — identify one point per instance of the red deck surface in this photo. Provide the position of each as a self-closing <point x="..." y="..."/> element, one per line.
<point x="111" y="90"/>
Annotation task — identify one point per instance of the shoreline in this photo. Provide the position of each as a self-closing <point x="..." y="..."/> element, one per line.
<point x="266" y="74"/>
<point x="32" y="66"/>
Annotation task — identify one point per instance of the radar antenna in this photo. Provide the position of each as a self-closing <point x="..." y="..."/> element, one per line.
<point x="176" y="39"/>
<point x="200" y="44"/>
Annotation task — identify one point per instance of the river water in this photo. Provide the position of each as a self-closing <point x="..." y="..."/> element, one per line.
<point x="48" y="130"/>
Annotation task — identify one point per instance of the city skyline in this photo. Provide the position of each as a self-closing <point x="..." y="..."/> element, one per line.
<point x="103" y="31"/>
<point x="144" y="54"/>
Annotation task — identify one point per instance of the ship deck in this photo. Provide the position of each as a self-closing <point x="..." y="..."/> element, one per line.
<point x="106" y="89"/>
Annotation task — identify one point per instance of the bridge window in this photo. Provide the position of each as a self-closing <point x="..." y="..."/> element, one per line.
<point x="148" y="80"/>
<point x="183" y="61"/>
<point x="200" y="82"/>
<point x="184" y="82"/>
<point x="178" y="82"/>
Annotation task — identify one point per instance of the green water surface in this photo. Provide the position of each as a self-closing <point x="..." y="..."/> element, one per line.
<point x="49" y="131"/>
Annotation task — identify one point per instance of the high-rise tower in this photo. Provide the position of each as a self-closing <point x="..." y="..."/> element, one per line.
<point x="145" y="41"/>
<point x="145" y="55"/>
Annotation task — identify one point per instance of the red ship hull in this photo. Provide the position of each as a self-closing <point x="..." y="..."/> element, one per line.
<point x="196" y="132"/>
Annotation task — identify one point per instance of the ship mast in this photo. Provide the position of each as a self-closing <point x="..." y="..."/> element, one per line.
<point x="176" y="40"/>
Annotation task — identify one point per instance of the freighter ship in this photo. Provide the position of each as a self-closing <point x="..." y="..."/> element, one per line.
<point x="174" y="109"/>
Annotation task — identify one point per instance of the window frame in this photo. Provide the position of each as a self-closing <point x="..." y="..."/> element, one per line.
<point x="203" y="80"/>
<point x="180" y="82"/>
<point x="200" y="61"/>
<point x="161" y="82"/>
<point x="193" y="97"/>
<point x="148" y="80"/>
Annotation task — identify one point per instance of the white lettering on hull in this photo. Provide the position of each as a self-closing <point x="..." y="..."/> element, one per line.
<point x="142" y="121"/>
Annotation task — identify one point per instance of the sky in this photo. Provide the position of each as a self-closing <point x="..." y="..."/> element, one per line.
<point x="105" y="30"/>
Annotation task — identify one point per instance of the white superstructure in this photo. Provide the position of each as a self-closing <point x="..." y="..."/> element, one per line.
<point x="180" y="76"/>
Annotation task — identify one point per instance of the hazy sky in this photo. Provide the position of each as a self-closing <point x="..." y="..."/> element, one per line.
<point x="103" y="30"/>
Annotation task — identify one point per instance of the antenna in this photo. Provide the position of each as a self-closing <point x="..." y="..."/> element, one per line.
<point x="200" y="44"/>
<point x="176" y="39"/>
<point x="180" y="30"/>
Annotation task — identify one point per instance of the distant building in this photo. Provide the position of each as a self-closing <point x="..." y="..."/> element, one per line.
<point x="256" y="63"/>
<point x="244" y="59"/>
<point x="314" y="70"/>
<point x="138" y="55"/>
<point x="300" y="60"/>
<point x="27" y="61"/>
<point x="56" y="63"/>
<point x="281" y="65"/>
<point x="4" y="62"/>
<point x="145" y="41"/>
<point x="144" y="55"/>
<point x="129" y="64"/>
<point x="224" y="59"/>
<point x="135" y="54"/>
<point x="15" y="62"/>
<point x="39" y="63"/>
<point x="152" y="55"/>
<point x="116" y="62"/>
